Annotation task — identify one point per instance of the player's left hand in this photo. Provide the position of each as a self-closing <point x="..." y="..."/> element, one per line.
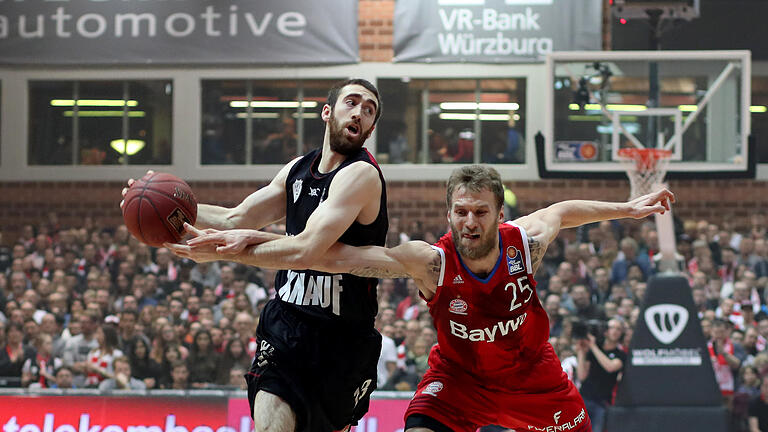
<point x="229" y="241"/>
<point x="203" y="253"/>
<point x="654" y="202"/>
<point x="198" y="255"/>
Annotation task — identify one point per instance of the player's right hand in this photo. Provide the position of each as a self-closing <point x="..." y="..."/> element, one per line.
<point x="130" y="183"/>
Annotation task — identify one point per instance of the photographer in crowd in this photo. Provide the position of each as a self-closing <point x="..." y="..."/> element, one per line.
<point x="599" y="366"/>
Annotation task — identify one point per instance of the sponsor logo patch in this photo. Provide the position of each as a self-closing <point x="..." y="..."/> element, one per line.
<point x="561" y="427"/>
<point x="458" y="306"/>
<point x="433" y="388"/>
<point x="297" y="189"/>
<point x="514" y="260"/>
<point x="458" y="280"/>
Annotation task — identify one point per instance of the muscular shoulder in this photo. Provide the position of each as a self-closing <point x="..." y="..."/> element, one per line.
<point x="358" y="176"/>
<point x="282" y="175"/>
<point x="360" y="171"/>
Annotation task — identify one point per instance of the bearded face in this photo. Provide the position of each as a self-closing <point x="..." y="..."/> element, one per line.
<point x="473" y="243"/>
<point x="348" y="138"/>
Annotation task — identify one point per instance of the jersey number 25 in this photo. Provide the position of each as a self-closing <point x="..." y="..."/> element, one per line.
<point x="519" y="292"/>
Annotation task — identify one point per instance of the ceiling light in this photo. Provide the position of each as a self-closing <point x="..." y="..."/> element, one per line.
<point x="268" y="115"/>
<point x="134" y="146"/>
<point x="104" y="113"/>
<point x="466" y="116"/>
<point x="94" y="102"/>
<point x="502" y="106"/>
<point x="609" y="107"/>
<point x="272" y="104"/>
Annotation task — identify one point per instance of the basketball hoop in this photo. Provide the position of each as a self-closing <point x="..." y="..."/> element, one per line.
<point x="646" y="168"/>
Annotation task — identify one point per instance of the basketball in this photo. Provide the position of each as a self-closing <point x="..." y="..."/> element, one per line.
<point x="156" y="207"/>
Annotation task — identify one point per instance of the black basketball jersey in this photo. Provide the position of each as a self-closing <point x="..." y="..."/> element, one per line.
<point x="326" y="296"/>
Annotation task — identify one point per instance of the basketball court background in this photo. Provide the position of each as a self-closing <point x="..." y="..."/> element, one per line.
<point x="562" y="166"/>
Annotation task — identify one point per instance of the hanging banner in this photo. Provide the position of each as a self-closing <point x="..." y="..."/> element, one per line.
<point x="178" y="32"/>
<point x="494" y="31"/>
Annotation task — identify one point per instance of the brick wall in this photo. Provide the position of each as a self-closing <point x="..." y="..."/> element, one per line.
<point x="714" y="200"/>
<point x="375" y="30"/>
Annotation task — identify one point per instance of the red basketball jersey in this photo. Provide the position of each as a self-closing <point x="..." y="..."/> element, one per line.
<point x="489" y="327"/>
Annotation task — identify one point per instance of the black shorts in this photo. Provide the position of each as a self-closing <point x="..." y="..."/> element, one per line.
<point x="325" y="372"/>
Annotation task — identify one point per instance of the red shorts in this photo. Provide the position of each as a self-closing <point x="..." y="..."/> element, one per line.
<point x="544" y="399"/>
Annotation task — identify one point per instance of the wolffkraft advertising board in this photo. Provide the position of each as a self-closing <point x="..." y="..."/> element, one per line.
<point x="37" y="413"/>
<point x="179" y="31"/>
<point x="494" y="31"/>
<point x="668" y="384"/>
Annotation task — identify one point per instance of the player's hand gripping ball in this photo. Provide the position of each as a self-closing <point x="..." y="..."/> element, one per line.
<point x="156" y="207"/>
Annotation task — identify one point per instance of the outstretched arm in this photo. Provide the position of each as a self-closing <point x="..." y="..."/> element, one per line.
<point x="414" y="259"/>
<point x="542" y="226"/>
<point x="259" y="209"/>
<point x="354" y="189"/>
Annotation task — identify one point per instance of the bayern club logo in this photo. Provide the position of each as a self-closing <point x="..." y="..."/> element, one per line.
<point x="433" y="388"/>
<point x="458" y="306"/>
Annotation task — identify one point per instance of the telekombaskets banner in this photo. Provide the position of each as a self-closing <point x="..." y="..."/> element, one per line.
<point x="157" y="414"/>
<point x="178" y="31"/>
<point x="494" y="31"/>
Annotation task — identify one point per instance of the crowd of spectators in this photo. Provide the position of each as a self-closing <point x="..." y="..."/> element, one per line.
<point x="91" y="307"/>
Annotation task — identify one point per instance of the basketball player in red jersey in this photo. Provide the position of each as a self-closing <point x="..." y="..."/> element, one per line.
<point x="493" y="363"/>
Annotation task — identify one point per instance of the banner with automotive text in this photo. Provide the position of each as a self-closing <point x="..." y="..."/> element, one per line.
<point x="494" y="31"/>
<point x="178" y="32"/>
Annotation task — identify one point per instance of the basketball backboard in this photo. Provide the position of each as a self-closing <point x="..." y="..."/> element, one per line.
<point x="694" y="103"/>
<point x="664" y="9"/>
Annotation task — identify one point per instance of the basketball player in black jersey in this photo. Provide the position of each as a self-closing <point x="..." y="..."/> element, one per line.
<point x="316" y="366"/>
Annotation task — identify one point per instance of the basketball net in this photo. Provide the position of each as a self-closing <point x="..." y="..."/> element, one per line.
<point x="646" y="168"/>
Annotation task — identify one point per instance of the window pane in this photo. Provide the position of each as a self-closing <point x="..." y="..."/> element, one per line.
<point x="92" y="130"/>
<point x="149" y="122"/>
<point x="270" y="119"/>
<point x="501" y="107"/>
<point x="451" y="121"/>
<point x="101" y="122"/>
<point x="50" y="129"/>
<point x="223" y="128"/>
<point x="399" y="128"/>
<point x="453" y="108"/>
<point x="274" y="105"/>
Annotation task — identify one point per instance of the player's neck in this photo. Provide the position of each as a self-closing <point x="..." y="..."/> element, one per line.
<point x="482" y="266"/>
<point x="330" y="160"/>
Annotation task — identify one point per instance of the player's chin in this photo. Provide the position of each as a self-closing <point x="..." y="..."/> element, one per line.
<point x="346" y="147"/>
